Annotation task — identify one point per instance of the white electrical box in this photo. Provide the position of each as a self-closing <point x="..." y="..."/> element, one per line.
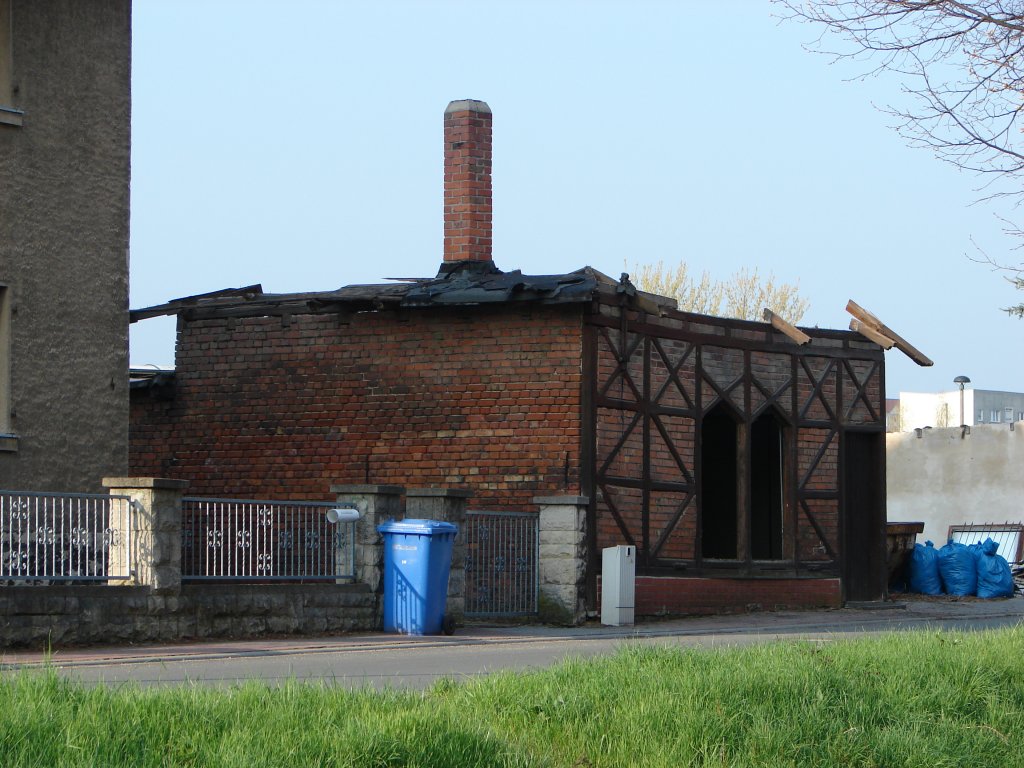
<point x="618" y="587"/>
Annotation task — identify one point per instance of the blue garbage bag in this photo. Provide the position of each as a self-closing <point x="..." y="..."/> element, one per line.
<point x="924" y="570"/>
<point x="958" y="567"/>
<point x="994" y="576"/>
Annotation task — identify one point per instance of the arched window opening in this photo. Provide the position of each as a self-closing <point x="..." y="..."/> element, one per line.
<point x="718" y="485"/>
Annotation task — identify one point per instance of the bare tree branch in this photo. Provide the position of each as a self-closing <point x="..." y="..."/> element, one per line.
<point x="962" y="64"/>
<point x="1013" y="273"/>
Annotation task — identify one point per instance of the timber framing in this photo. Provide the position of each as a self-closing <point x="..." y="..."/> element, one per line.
<point x="652" y="380"/>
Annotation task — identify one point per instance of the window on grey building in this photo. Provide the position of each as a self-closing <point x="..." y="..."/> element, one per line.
<point x="8" y="114"/>
<point x="996" y="416"/>
<point x="1008" y="414"/>
<point x="6" y="57"/>
<point x="5" y="360"/>
<point x="981" y="417"/>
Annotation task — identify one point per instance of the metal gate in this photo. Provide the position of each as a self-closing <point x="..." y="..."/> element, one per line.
<point x="501" y="563"/>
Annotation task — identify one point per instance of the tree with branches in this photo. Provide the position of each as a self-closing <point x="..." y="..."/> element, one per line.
<point x="744" y="295"/>
<point x="962" y="64"/>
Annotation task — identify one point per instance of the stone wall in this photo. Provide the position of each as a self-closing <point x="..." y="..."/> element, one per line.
<point x="38" y="616"/>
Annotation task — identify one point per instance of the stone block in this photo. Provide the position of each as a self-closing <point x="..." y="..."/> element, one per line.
<point x="561" y="536"/>
<point x="561" y="518"/>
<point x="556" y="551"/>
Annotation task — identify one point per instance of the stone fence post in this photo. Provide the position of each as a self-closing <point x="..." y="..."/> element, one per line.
<point x="448" y="505"/>
<point x="376" y="504"/>
<point x="154" y="520"/>
<point x="563" y="558"/>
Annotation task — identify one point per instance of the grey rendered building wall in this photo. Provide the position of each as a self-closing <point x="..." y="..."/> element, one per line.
<point x="989" y="403"/>
<point x="64" y="200"/>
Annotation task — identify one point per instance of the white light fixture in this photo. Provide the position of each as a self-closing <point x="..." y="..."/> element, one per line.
<point x="342" y="515"/>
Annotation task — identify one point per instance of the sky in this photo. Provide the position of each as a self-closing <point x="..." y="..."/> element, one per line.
<point x="299" y="145"/>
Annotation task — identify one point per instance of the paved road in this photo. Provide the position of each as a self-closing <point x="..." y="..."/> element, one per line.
<point x="379" y="660"/>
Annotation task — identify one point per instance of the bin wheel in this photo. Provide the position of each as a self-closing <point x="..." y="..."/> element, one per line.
<point x="449" y="625"/>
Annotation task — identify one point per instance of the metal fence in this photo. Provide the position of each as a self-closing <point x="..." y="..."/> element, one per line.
<point x="1007" y="535"/>
<point x="48" y="537"/>
<point x="502" y="556"/>
<point x="250" y="540"/>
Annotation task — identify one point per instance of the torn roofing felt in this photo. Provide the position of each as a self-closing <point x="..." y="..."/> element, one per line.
<point x="483" y="283"/>
<point x="457" y="284"/>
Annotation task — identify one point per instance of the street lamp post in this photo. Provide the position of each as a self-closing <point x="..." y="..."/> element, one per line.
<point x="961" y="380"/>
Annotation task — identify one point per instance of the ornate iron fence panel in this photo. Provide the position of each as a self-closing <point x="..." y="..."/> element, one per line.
<point x="46" y="537"/>
<point x="502" y="559"/>
<point x="251" y="540"/>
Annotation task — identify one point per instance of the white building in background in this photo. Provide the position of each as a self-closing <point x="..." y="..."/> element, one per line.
<point x="917" y="410"/>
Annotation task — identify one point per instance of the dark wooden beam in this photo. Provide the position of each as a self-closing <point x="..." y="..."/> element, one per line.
<point x="785" y="347"/>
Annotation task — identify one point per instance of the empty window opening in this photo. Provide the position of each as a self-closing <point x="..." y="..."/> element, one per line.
<point x="766" y="473"/>
<point x="718" y="485"/>
<point x="6" y="54"/>
<point x="5" y="360"/>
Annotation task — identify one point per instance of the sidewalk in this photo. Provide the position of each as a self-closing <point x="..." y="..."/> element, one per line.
<point x="378" y="659"/>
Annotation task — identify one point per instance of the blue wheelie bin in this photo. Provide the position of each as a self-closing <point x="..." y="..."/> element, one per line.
<point x="417" y="559"/>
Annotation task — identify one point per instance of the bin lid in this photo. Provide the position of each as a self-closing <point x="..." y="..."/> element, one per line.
<point x="417" y="526"/>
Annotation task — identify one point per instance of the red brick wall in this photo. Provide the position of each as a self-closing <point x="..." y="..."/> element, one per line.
<point x="824" y="476"/>
<point x="485" y="398"/>
<point x="670" y="595"/>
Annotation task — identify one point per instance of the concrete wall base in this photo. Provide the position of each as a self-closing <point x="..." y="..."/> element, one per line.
<point x="54" y="616"/>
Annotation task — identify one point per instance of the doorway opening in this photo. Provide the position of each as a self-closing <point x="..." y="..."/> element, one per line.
<point x="864" y="553"/>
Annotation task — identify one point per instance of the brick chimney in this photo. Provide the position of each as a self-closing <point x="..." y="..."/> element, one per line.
<point x="467" y="182"/>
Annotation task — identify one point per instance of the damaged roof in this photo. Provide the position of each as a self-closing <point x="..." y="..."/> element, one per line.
<point x="484" y="283"/>
<point x="479" y="283"/>
<point x="464" y="283"/>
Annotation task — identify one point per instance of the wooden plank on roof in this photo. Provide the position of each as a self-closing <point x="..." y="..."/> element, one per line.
<point x="899" y="342"/>
<point x="247" y="292"/>
<point x="872" y="335"/>
<point x="787" y="328"/>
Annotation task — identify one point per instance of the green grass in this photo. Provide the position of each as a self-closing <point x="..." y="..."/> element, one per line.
<point x="910" y="699"/>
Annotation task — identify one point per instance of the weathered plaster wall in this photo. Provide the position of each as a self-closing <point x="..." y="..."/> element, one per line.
<point x="64" y="197"/>
<point x="947" y="477"/>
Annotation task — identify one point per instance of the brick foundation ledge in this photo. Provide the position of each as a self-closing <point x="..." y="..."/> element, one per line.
<point x="682" y="596"/>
